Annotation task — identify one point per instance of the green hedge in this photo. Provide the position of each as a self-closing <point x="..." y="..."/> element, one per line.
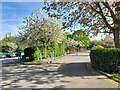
<point x="105" y="59"/>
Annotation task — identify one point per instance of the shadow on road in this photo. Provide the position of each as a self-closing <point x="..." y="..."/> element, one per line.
<point x="38" y="75"/>
<point x="75" y="69"/>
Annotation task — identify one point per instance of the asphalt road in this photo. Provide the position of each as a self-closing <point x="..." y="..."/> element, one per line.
<point x="6" y="61"/>
<point x="72" y="71"/>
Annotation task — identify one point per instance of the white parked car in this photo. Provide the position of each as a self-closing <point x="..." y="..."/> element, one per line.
<point x="2" y="56"/>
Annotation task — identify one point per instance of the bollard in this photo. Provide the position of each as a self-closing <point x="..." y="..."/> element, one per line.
<point x="52" y="56"/>
<point x="40" y="56"/>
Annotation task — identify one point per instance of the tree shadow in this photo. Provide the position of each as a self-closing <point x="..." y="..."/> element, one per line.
<point x="39" y="75"/>
<point x="36" y="75"/>
<point x="75" y="69"/>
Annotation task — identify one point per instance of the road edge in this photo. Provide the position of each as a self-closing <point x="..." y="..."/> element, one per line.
<point x="104" y="73"/>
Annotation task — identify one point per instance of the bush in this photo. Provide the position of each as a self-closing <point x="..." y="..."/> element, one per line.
<point x="29" y="54"/>
<point x="97" y="47"/>
<point x="105" y="59"/>
<point x="36" y="54"/>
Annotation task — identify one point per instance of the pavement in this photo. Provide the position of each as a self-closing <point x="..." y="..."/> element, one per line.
<point x="71" y="71"/>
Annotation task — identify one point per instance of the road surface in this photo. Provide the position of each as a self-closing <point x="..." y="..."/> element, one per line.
<point x="72" y="71"/>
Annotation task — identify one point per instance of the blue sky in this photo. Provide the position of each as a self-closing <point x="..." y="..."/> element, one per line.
<point x="13" y="14"/>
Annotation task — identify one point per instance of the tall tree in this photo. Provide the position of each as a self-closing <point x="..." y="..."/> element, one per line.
<point x="42" y="30"/>
<point x="96" y="17"/>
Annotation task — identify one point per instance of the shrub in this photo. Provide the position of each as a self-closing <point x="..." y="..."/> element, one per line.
<point x="29" y="54"/>
<point x="105" y="59"/>
<point x="36" y="54"/>
<point x="97" y="47"/>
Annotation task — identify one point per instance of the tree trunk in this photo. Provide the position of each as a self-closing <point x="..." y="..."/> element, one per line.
<point x="117" y="25"/>
<point x="45" y="53"/>
<point x="45" y="50"/>
<point x="117" y="38"/>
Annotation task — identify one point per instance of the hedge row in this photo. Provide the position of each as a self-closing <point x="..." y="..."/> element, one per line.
<point x="105" y="59"/>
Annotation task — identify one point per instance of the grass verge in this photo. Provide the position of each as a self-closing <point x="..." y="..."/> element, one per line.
<point x="116" y="77"/>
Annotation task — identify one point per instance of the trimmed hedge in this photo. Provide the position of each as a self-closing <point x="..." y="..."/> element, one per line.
<point x="105" y="59"/>
<point x="29" y="54"/>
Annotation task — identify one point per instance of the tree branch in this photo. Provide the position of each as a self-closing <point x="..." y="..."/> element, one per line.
<point x="94" y="9"/>
<point x="111" y="11"/>
<point x="103" y="17"/>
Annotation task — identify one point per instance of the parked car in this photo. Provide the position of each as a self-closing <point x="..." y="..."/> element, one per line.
<point x="18" y="54"/>
<point x="13" y="55"/>
<point x="2" y="56"/>
<point x="22" y="53"/>
<point x="9" y="55"/>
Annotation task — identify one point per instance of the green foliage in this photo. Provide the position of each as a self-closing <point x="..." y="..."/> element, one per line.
<point x="11" y="44"/>
<point x="81" y="37"/>
<point x="44" y="55"/>
<point x="5" y="49"/>
<point x="56" y="49"/>
<point x="5" y="41"/>
<point x="97" y="47"/>
<point x="105" y="59"/>
<point x="36" y="54"/>
<point x="9" y="47"/>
